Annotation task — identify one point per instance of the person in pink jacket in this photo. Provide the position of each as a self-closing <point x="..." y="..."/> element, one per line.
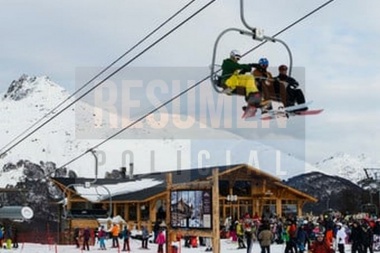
<point x="161" y="239"/>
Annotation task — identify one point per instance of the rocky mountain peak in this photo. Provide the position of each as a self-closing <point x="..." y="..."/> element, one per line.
<point x="25" y="85"/>
<point x="20" y="88"/>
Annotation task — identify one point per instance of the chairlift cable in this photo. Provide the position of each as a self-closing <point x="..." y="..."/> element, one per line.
<point x="138" y="120"/>
<point x="291" y="25"/>
<point x="178" y="95"/>
<point x="182" y="92"/>
<point x="4" y="149"/>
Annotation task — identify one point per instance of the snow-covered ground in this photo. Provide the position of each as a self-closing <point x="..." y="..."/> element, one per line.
<point x="226" y="246"/>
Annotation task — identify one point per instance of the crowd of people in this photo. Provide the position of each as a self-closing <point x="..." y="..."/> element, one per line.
<point x="316" y="235"/>
<point x="84" y="237"/>
<point x="324" y="234"/>
<point x="8" y="236"/>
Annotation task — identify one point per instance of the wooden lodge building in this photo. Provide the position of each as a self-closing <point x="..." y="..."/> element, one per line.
<point x="142" y="198"/>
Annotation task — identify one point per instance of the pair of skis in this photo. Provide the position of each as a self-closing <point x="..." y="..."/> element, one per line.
<point x="278" y="110"/>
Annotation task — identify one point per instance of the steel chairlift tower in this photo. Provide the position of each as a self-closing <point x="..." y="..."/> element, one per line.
<point x="371" y="183"/>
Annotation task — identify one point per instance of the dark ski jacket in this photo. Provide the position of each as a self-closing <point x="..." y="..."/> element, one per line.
<point x="289" y="80"/>
<point x="356" y="235"/>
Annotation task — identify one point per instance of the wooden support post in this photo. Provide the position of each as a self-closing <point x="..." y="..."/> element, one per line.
<point x="168" y="213"/>
<point x="299" y="208"/>
<point x="279" y="207"/>
<point x="215" y="212"/>
<point x="68" y="207"/>
<point x="138" y="212"/>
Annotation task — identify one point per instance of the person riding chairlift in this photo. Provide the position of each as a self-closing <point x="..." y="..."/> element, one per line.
<point x="234" y="75"/>
<point x="270" y="88"/>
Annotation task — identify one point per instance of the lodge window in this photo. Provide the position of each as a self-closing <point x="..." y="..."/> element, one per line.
<point x="242" y="188"/>
<point x="224" y="187"/>
<point x="132" y="212"/>
<point x="144" y="211"/>
<point x="235" y="209"/>
<point x="289" y="208"/>
<point x="245" y="207"/>
<point x="221" y="209"/>
<point x="120" y="210"/>
<point x="160" y="209"/>
<point x="269" y="207"/>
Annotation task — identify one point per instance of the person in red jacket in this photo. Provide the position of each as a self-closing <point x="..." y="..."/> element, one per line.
<point x="320" y="245"/>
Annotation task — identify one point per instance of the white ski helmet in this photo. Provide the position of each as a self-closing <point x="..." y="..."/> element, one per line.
<point x="235" y="54"/>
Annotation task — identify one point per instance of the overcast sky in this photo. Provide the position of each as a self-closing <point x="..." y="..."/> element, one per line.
<point x="337" y="47"/>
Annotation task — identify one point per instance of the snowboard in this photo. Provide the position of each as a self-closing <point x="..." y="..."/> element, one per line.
<point x="293" y="107"/>
<point x="249" y="111"/>
<point x="292" y="114"/>
<point x="307" y="112"/>
<point x="295" y="110"/>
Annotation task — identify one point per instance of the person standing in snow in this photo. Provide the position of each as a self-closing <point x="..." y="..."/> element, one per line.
<point x="265" y="238"/>
<point x="76" y="237"/>
<point x="145" y="237"/>
<point x="126" y="234"/>
<point x="356" y="238"/>
<point x="320" y="245"/>
<point x="340" y="237"/>
<point x="240" y="234"/>
<point x="367" y="238"/>
<point x="102" y="237"/>
<point x="160" y="240"/>
<point x="248" y="231"/>
<point x="115" y="230"/>
<point x="15" y="237"/>
<point x="86" y="239"/>
<point x="302" y="238"/>
<point x="156" y="229"/>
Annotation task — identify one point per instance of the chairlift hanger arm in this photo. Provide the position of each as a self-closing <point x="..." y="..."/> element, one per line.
<point x="242" y="16"/>
<point x="258" y="35"/>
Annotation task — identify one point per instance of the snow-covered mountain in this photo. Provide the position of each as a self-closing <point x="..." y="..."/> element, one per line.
<point x="28" y="100"/>
<point x="331" y="191"/>
<point x="347" y="166"/>
<point x="151" y="145"/>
